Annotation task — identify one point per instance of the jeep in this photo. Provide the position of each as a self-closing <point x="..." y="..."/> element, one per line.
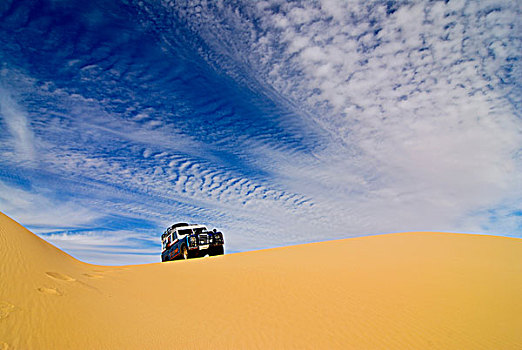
<point x="185" y="241"/>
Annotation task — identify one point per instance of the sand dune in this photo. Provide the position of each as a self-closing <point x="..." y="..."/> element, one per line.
<point x="398" y="291"/>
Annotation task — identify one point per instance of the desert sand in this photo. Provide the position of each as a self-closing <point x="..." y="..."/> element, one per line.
<point x="396" y="291"/>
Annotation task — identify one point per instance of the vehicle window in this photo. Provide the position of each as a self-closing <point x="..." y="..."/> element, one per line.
<point x="200" y="230"/>
<point x="174" y="236"/>
<point x="186" y="231"/>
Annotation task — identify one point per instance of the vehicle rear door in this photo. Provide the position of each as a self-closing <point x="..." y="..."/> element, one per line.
<point x="175" y="244"/>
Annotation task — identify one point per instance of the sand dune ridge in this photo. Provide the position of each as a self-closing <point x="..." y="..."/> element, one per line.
<point x="397" y="291"/>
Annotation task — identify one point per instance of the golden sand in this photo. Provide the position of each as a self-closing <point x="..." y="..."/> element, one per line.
<point x="397" y="291"/>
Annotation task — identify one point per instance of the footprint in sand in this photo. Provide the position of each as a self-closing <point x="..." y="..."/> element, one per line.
<point x="5" y="309"/>
<point x="60" y="276"/>
<point x="50" y="291"/>
<point x="91" y="275"/>
<point x="4" y="346"/>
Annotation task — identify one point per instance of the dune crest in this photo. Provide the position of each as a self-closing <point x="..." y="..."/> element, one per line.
<point x="397" y="291"/>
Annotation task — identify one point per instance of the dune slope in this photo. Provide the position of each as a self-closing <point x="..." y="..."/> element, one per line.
<point x="397" y="291"/>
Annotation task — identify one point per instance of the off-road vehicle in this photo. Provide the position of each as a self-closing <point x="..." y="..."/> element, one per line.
<point x="185" y="241"/>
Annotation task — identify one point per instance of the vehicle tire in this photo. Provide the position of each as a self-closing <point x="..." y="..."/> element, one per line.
<point x="184" y="252"/>
<point x="219" y="250"/>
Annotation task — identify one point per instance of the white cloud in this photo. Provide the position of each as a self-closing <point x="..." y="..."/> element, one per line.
<point x="18" y="126"/>
<point x="35" y="208"/>
<point x="423" y="133"/>
<point x="414" y="108"/>
<point x="107" y="247"/>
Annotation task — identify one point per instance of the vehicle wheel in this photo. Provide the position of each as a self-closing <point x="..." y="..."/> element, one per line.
<point x="184" y="252"/>
<point x="219" y="250"/>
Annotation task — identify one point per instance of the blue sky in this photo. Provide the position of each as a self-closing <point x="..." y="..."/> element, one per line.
<point x="278" y="122"/>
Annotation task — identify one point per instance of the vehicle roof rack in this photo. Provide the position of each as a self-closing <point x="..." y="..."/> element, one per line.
<point x="179" y="224"/>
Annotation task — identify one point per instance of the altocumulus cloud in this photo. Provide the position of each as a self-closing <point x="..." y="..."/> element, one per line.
<point x="279" y="122"/>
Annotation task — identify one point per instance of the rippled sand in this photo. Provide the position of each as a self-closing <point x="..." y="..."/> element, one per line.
<point x="397" y="291"/>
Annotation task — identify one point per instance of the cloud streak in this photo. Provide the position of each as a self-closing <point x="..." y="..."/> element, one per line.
<point x="420" y="95"/>
<point x="17" y="124"/>
<point x="277" y="122"/>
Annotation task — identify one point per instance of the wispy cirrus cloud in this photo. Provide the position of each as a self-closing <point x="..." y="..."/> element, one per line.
<point x="278" y="122"/>
<point x="420" y="98"/>
<point x="37" y="208"/>
<point x="113" y="247"/>
<point x="17" y="125"/>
